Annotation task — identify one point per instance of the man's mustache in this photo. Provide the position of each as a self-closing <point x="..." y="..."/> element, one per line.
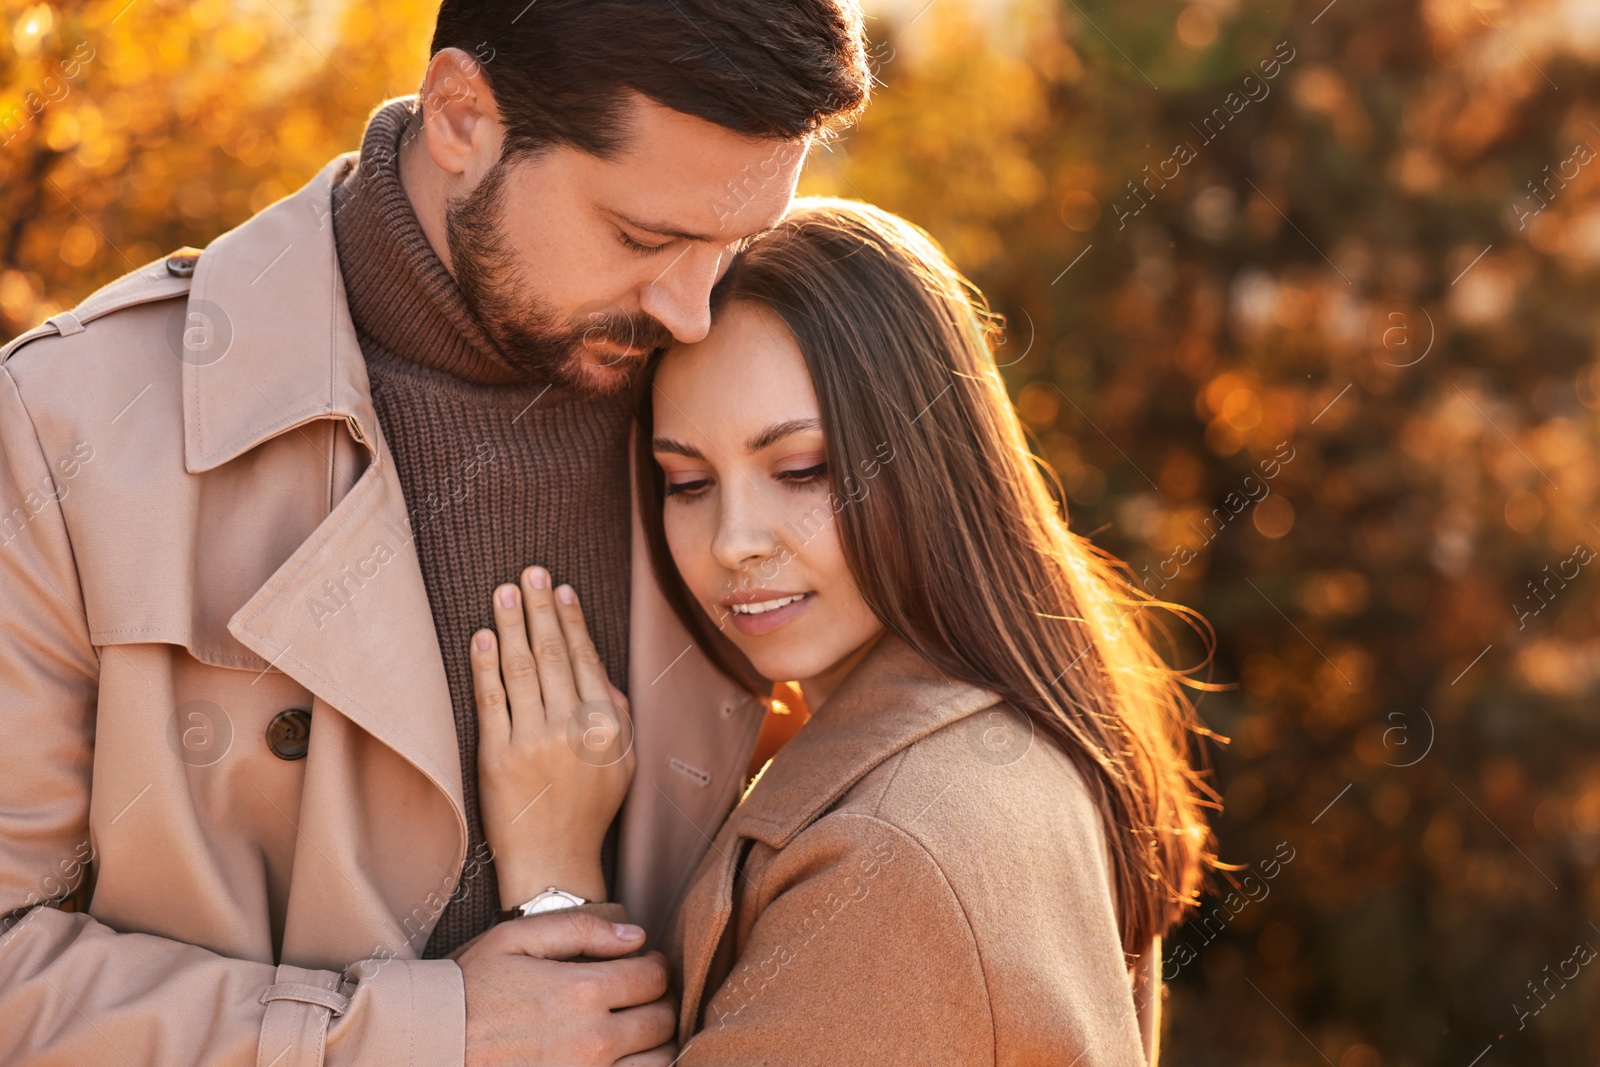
<point x="639" y="331"/>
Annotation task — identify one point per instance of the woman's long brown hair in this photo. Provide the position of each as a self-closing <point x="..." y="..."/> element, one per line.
<point x="955" y="539"/>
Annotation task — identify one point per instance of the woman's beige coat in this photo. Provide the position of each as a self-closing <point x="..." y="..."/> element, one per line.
<point x="914" y="879"/>
<point x="194" y="539"/>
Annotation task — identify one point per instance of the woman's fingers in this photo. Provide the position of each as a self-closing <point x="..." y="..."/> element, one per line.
<point x="550" y="652"/>
<point x="494" y="718"/>
<point x="516" y="658"/>
<point x="588" y="672"/>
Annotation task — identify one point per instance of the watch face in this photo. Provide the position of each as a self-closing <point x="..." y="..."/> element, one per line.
<point x="551" y="900"/>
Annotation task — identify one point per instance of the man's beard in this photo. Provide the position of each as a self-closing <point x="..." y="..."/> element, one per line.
<point x="490" y="274"/>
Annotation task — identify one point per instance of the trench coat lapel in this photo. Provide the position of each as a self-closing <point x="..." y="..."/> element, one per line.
<point x="368" y="650"/>
<point x="347" y="614"/>
<point x="892" y="699"/>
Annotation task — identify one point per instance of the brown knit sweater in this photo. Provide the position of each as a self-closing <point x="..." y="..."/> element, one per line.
<point x="498" y="471"/>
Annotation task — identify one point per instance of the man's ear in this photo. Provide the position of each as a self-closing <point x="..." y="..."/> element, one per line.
<point x="460" y="120"/>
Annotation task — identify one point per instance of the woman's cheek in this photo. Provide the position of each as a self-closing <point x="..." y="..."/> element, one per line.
<point x="691" y="552"/>
<point x="825" y="554"/>
<point x="825" y="559"/>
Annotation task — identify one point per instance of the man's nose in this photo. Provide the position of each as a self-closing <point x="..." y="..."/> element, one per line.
<point x="680" y="296"/>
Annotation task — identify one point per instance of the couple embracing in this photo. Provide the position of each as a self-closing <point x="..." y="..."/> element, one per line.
<point x="542" y="594"/>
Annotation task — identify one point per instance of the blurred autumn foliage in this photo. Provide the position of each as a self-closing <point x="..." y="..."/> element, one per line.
<point x="128" y="129"/>
<point x="1300" y="303"/>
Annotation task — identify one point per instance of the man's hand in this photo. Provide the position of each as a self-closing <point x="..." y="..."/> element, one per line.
<point x="526" y="1006"/>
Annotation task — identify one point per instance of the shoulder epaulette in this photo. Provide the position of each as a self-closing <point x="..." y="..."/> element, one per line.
<point x="162" y="279"/>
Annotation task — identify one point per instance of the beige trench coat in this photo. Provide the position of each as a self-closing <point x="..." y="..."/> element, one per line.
<point x="914" y="879"/>
<point x="199" y="531"/>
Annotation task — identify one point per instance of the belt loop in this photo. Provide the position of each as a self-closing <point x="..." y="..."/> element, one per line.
<point x="294" y="1030"/>
<point x="306" y="994"/>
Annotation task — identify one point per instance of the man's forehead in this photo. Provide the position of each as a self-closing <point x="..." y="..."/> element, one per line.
<point x="685" y="177"/>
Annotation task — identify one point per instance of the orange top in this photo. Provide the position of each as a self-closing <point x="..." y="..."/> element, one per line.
<point x="785" y="715"/>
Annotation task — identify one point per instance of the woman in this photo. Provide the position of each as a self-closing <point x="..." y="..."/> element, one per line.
<point x="970" y="852"/>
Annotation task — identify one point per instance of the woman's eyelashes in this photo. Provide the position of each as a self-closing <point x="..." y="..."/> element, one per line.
<point x="801" y="478"/>
<point x="804" y="477"/>
<point x="689" y="487"/>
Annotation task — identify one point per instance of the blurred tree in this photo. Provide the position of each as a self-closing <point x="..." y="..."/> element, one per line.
<point x="128" y="129"/>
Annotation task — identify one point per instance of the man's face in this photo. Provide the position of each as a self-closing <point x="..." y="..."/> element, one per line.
<point x="579" y="267"/>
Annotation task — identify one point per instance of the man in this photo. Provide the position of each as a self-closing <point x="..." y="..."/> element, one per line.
<point x="253" y="502"/>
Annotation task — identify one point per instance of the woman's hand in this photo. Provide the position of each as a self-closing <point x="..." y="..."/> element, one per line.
<point x="555" y="744"/>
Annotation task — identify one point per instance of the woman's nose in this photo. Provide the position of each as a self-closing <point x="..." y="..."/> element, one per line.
<point x="744" y="537"/>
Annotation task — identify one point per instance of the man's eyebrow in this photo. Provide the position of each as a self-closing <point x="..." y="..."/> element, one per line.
<point x="778" y="431"/>
<point x="676" y="448"/>
<point x="666" y="230"/>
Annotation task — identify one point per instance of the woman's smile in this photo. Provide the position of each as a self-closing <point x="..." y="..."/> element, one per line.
<point x="762" y="612"/>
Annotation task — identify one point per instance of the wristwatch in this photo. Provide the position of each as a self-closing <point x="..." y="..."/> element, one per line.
<point x="552" y="899"/>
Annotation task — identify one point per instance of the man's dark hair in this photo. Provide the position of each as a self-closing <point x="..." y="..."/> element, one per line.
<point x="560" y="69"/>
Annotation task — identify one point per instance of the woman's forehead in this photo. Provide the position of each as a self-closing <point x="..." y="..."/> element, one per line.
<point x="748" y="370"/>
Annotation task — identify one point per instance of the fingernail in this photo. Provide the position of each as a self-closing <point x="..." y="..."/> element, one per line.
<point x="566" y="595"/>
<point x="483" y="640"/>
<point x="508" y="597"/>
<point x="538" y="578"/>
<point x="628" y="931"/>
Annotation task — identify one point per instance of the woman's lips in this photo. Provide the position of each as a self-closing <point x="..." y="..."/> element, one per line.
<point x="773" y="618"/>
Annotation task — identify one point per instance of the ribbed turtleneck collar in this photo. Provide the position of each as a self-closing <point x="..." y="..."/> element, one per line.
<point x="400" y="293"/>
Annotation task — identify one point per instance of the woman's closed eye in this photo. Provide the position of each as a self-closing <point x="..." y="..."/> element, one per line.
<point x="689" y="486"/>
<point x="686" y="487"/>
<point x="804" y="477"/>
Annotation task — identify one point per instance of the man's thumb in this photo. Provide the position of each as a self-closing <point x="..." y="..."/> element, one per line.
<point x="569" y="934"/>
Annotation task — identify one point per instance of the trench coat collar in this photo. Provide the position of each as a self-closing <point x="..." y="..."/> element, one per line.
<point x="282" y="348"/>
<point x="285" y="354"/>
<point x="893" y="698"/>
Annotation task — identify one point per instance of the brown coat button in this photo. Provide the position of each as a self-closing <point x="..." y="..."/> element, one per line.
<point x="289" y="734"/>
<point x="181" y="263"/>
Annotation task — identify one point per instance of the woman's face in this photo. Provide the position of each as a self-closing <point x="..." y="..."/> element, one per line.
<point x="748" y="514"/>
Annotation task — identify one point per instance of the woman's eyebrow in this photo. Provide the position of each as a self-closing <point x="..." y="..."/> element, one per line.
<point x="676" y="448"/>
<point x="778" y="431"/>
